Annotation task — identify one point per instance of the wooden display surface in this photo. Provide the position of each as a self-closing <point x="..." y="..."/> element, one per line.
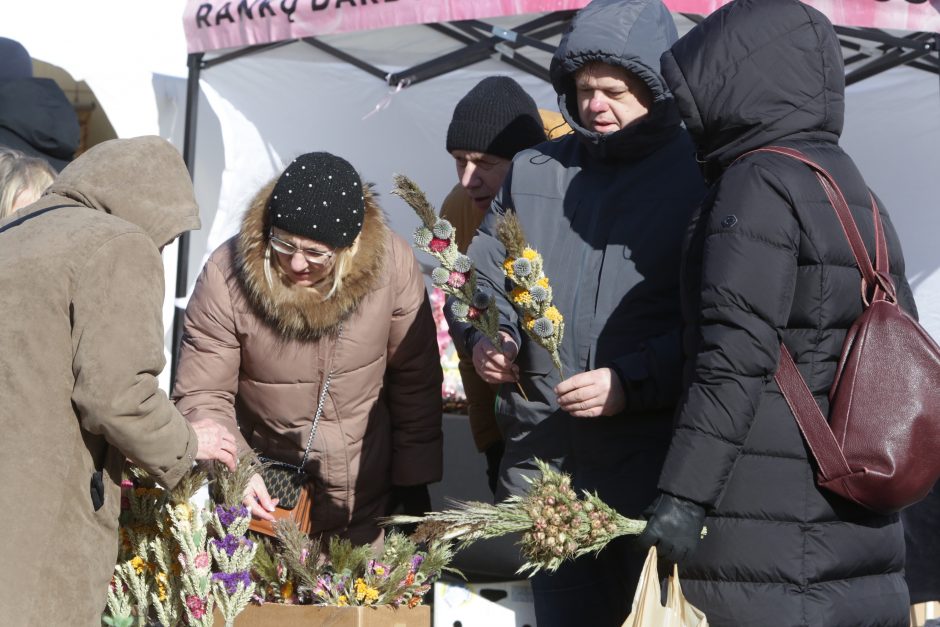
<point x="277" y="615"/>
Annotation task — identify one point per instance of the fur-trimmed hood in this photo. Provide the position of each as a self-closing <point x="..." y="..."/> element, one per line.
<point x="298" y="312"/>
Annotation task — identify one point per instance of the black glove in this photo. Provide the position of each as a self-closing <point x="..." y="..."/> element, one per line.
<point x="674" y="527"/>
<point x="494" y="455"/>
<point x="410" y="500"/>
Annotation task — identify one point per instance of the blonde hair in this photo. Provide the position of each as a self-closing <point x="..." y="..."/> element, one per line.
<point x="21" y="174"/>
<point x="342" y="266"/>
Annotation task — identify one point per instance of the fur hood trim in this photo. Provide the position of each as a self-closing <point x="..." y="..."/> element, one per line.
<point x="297" y="312"/>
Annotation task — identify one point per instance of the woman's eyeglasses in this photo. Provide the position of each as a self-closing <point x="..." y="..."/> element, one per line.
<point x="318" y="257"/>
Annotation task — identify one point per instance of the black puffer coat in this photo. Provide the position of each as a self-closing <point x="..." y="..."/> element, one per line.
<point x="767" y="261"/>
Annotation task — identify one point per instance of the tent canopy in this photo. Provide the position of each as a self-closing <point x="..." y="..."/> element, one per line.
<point x="294" y="88"/>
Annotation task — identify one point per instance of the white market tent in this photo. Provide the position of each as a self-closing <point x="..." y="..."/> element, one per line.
<point x="376" y="81"/>
<point x="282" y="94"/>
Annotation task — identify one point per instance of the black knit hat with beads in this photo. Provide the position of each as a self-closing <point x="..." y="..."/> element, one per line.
<point x="319" y="196"/>
<point x="496" y="117"/>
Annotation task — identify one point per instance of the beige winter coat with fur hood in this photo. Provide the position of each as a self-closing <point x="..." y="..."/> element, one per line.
<point x="81" y="345"/>
<point x="255" y="354"/>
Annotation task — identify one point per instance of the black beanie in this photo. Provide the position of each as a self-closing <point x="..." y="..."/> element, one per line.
<point x="496" y="117"/>
<point x="319" y="196"/>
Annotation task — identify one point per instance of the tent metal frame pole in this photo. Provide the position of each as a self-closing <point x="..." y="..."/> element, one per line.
<point x="244" y="52"/>
<point x="195" y="63"/>
<point x="885" y="62"/>
<point x="345" y="56"/>
<point x="481" y="49"/>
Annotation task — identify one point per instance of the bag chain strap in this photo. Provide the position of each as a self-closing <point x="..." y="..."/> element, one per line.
<point x="320" y="403"/>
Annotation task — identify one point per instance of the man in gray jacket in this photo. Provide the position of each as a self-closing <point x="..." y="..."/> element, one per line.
<point x="607" y="207"/>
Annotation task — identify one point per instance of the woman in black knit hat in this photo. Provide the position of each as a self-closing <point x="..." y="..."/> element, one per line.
<point x="309" y="336"/>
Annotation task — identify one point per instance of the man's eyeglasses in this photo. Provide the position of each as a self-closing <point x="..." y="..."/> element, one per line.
<point x="318" y="257"/>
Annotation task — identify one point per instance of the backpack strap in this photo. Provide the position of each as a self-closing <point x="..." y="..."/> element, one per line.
<point x="875" y="279"/>
<point x="29" y="216"/>
<point x="812" y="423"/>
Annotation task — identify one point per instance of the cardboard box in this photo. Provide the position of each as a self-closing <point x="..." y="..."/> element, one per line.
<point x="277" y="615"/>
<point x="500" y="604"/>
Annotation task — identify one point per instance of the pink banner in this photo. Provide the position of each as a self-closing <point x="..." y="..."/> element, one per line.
<point x="217" y="24"/>
<point x="211" y="25"/>
<point x="889" y="14"/>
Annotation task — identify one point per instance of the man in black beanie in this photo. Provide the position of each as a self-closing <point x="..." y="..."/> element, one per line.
<point x="494" y="121"/>
<point x="36" y="116"/>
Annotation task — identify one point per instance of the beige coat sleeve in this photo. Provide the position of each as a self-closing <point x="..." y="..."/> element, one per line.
<point x="117" y="344"/>
<point x="209" y="357"/>
<point x="413" y="376"/>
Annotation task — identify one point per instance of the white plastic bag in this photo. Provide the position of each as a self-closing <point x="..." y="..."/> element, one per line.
<point x="648" y="610"/>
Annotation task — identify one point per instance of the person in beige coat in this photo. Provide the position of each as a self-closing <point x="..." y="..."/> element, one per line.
<point x="316" y="292"/>
<point x="82" y="346"/>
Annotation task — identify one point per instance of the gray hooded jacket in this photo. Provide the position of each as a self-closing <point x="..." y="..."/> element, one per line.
<point x="608" y="214"/>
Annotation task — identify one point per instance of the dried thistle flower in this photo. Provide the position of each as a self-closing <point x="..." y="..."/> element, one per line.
<point x="456" y="275"/>
<point x="556" y="524"/>
<point x="532" y="296"/>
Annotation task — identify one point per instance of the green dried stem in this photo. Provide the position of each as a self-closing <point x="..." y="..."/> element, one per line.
<point x="509" y="232"/>
<point x="346" y="557"/>
<point x="299" y="553"/>
<point x="408" y="190"/>
<point x="229" y="487"/>
<point x="187" y="487"/>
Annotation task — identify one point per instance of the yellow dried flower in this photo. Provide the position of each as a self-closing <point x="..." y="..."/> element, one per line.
<point x="161" y="586"/>
<point x="530" y="254"/>
<point x="365" y="593"/>
<point x="507" y="266"/>
<point x="342" y="601"/>
<point x="553" y="314"/>
<point x="543" y="282"/>
<point x="139" y="564"/>
<point x="521" y="296"/>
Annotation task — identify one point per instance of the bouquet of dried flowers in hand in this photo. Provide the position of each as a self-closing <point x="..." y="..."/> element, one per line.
<point x="398" y="575"/>
<point x="555" y="523"/>
<point x="455" y="275"/>
<point x="532" y="294"/>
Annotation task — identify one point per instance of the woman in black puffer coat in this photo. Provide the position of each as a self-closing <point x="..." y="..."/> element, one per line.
<point x="766" y="262"/>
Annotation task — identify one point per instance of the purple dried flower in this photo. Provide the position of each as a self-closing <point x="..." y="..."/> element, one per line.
<point x="230" y="581"/>
<point x="229" y="544"/>
<point x="228" y="515"/>
<point x="416" y="562"/>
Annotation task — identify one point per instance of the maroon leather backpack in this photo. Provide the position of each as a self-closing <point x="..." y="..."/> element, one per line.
<point x="881" y="445"/>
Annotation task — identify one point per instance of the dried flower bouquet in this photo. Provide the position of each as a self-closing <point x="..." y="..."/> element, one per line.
<point x="556" y="524"/>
